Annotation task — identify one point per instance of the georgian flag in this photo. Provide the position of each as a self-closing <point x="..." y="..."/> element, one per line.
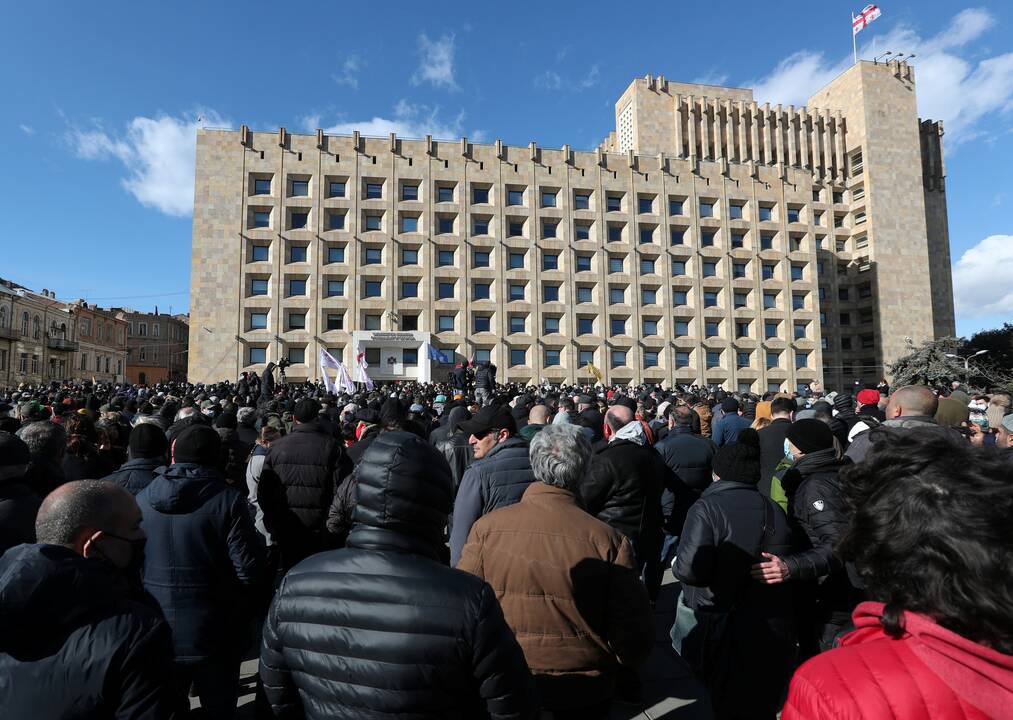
<point x="360" y="366"/>
<point x="860" y="21"/>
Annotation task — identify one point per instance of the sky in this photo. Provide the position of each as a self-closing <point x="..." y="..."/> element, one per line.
<point x="103" y="100"/>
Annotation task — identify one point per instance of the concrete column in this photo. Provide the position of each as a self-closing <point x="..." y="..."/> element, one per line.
<point x="705" y="152"/>
<point x="816" y="162"/>
<point x="803" y="138"/>
<point x="767" y="150"/>
<point x="779" y="134"/>
<point x="754" y="148"/>
<point x="791" y="122"/>
<point x="839" y="145"/>
<point x="678" y="127"/>
<point x="828" y="154"/>
<point x="729" y="132"/>
<point x="691" y="122"/>
<point x="743" y="154"/>
<point x="719" y="151"/>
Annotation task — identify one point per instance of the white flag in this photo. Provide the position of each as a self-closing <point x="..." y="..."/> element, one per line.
<point x="345" y="380"/>
<point x="860" y="21"/>
<point x="360" y="367"/>
<point x="327" y="361"/>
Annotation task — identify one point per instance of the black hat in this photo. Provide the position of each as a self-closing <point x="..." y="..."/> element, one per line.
<point x="491" y="417"/>
<point x="13" y="450"/>
<point x="730" y="405"/>
<point x="585" y="400"/>
<point x="739" y="461"/>
<point x="147" y="441"/>
<point x="306" y="410"/>
<point x="367" y="415"/>
<point x="810" y="435"/>
<point x="198" y="444"/>
<point x="626" y="402"/>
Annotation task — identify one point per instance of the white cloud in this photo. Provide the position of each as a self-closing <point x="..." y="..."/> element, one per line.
<point x="349" y="73"/>
<point x="589" y="80"/>
<point x="548" y="80"/>
<point x="436" y="64"/>
<point x="408" y="121"/>
<point x="957" y="90"/>
<point x="711" y="77"/>
<point x="551" y="80"/>
<point x="158" y="154"/>
<point x="27" y="129"/>
<point x="981" y="278"/>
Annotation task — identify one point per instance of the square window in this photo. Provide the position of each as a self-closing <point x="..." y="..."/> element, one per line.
<point x="767" y="271"/>
<point x="617" y="326"/>
<point x="584" y="357"/>
<point x="678" y="236"/>
<point x="551" y="358"/>
<point x="707" y="238"/>
<point x="710" y="298"/>
<point x="445" y="291"/>
<point x="516" y="229"/>
<point x="515" y="197"/>
<point x="262" y="186"/>
<point x="257" y="355"/>
<point x="793" y="215"/>
<point x="614" y="203"/>
<point x="765" y="213"/>
<point x="648" y="296"/>
<point x="682" y="327"/>
<point x="675" y="207"/>
<point x="845" y="318"/>
<point x="372" y="256"/>
<point x="409" y="256"/>
<point x="646" y="235"/>
<point x="483" y="355"/>
<point x="481" y="258"/>
<point x="582" y="231"/>
<point x="799" y="331"/>
<point x="518" y="356"/>
<point x="773" y="357"/>
<point x="444" y="194"/>
<point x="583" y="294"/>
<point x="735" y="211"/>
<point x="797" y="272"/>
<point x="261" y="218"/>
<point x="480" y="196"/>
<point x="548" y="198"/>
<point x="297" y="321"/>
<point x="372" y="322"/>
<point x="742" y="358"/>
<point x="582" y="201"/>
<point x="617" y="296"/>
<point x="482" y="290"/>
<point x="710" y="269"/>
<point x="409" y="192"/>
<point x="335" y="220"/>
<point x="769" y="300"/>
<point x="618" y="358"/>
<point x="678" y="267"/>
<point x="517" y="323"/>
<point x="645" y="205"/>
<point x="445" y="258"/>
<point x="296" y="287"/>
<point x="550" y="325"/>
<point x="446" y="226"/>
<point x="258" y="321"/>
<point x="650" y="358"/>
<point x="712" y="328"/>
<point x="335" y="288"/>
<point x="766" y="241"/>
<point x="409" y="288"/>
<point x="741" y="329"/>
<point x="797" y="301"/>
<point x="615" y="233"/>
<point x="409" y="356"/>
<point x="680" y="297"/>
<point x="374" y="222"/>
<point x="650" y="327"/>
<point x="550" y="293"/>
<point x="260" y="253"/>
<point x="300" y="188"/>
<point x="516" y="291"/>
<point x="373" y="288"/>
<point x="738" y="239"/>
<point x="516" y="260"/>
<point x="481" y="227"/>
<point x="713" y="358"/>
<point x="297" y="253"/>
<point x="682" y="358"/>
<point x="550" y="261"/>
<point x="409" y="223"/>
<point x="335" y="321"/>
<point x="374" y="190"/>
<point x="445" y="323"/>
<point x="738" y="270"/>
<point x="549" y="229"/>
<point x="706" y="209"/>
<point x="336" y="189"/>
<point x="770" y="329"/>
<point x="583" y="263"/>
<point x="615" y="264"/>
<point x="741" y="299"/>
<point x="647" y="266"/>
<point x="838" y="197"/>
<point x="481" y="323"/>
<point x="585" y="326"/>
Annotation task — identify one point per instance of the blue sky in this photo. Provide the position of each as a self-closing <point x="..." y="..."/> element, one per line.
<point x="103" y="99"/>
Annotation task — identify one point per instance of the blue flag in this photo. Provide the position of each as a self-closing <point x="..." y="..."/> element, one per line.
<point x="438" y="355"/>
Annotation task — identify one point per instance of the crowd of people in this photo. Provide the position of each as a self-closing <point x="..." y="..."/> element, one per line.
<point x="474" y="549"/>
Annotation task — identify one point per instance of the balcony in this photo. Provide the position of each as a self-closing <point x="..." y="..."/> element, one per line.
<point x="61" y="344"/>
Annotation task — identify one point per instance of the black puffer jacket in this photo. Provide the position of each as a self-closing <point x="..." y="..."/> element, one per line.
<point x="76" y="641"/>
<point x="18" y="507"/>
<point x="300" y="476"/>
<point x="455" y="447"/>
<point x="136" y="474"/>
<point x="689" y="457"/>
<point x="381" y="629"/>
<point x="485" y="377"/>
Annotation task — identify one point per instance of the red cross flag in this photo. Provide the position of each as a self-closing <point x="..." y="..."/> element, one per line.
<point x="860" y="21"/>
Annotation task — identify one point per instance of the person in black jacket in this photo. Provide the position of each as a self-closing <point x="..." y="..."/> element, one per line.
<point x="737" y="634"/>
<point x="485" y="383"/>
<point x="47" y="444"/>
<point x="772" y="440"/>
<point x="301" y="473"/>
<point x="454" y="445"/>
<point x="147" y="451"/>
<point x="382" y="628"/>
<point x="77" y="638"/>
<point x="203" y="565"/>
<point x="824" y="594"/>
<point x="18" y="502"/>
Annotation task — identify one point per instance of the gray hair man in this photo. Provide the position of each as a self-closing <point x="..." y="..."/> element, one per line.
<point x="567" y="582"/>
<point x="46" y="443"/>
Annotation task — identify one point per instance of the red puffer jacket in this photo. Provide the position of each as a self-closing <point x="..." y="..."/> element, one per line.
<point x="931" y="673"/>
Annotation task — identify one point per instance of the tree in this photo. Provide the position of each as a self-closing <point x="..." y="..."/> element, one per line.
<point x="928" y="364"/>
<point x="998" y="342"/>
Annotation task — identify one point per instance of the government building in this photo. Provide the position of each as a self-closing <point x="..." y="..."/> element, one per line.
<point x="709" y="239"/>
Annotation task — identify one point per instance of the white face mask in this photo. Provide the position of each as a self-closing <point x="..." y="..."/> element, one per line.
<point x="787" y="451"/>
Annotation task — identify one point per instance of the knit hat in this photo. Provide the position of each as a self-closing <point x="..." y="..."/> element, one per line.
<point x="13" y="451"/>
<point x="147" y="441"/>
<point x="810" y="435"/>
<point x="844" y="402"/>
<point x="868" y="397"/>
<point x="730" y="405"/>
<point x="739" y="461"/>
<point x="198" y="444"/>
<point x="307" y="410"/>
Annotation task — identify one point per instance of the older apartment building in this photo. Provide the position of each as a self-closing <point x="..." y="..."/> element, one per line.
<point x="156" y="346"/>
<point x="708" y="239"/>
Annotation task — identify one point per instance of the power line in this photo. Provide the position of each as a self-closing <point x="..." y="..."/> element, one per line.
<point x="129" y="297"/>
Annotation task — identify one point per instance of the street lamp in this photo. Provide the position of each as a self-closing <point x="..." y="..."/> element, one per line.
<point x="967" y="360"/>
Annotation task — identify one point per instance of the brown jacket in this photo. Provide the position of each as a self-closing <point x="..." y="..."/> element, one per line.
<point x="569" y="590"/>
<point x="703" y="411"/>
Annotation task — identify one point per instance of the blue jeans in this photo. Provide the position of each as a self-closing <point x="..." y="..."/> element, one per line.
<point x="668" y="548"/>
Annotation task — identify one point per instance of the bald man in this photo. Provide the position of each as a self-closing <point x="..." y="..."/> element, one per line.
<point x="77" y="637"/>
<point x="538" y="418"/>
<point x="910" y="407"/>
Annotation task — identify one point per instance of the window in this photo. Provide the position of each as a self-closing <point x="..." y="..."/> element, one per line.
<point x="298" y="220"/>
<point x="770" y="329"/>
<point x="444" y="194"/>
<point x="767" y="271"/>
<point x="297" y="356"/>
<point x="800" y="331"/>
<point x="297" y="254"/>
<point x="372" y="322"/>
<point x="549" y="228"/>
<point x="765" y="213"/>
<point x="374" y="222"/>
<point x="409" y="356"/>
<point x="550" y="325"/>
<point x="516" y="291"/>
<point x="707" y="238"/>
<point x="372" y="256"/>
<point x="336" y="220"/>
<point x="516" y="228"/>
<point x="482" y="290"/>
<point x="261" y="218"/>
<point x="645" y="205"/>
<point x="584" y="263"/>
<point x="445" y="291"/>
<point x="845" y="318"/>
<point x="335" y="288"/>
<point x="410" y="322"/>
<point x="647" y="266"/>
<point x="682" y="358"/>
<point x="678" y="267"/>
<point x="300" y="188"/>
<point x="409" y="288"/>
<point x="582" y="201"/>
<point x="518" y="356"/>
<point x="857" y="193"/>
<point x="409" y="192"/>
<point x="336" y="189"/>
<point x="481" y="226"/>
<point x="444" y="258"/>
<point x="766" y="241"/>
<point x="648" y="296"/>
<point x="675" y="207"/>
<point x="335" y="321"/>
<point x="797" y="272"/>
<point x="843" y="294"/>
<point x="585" y="326"/>
<point x="584" y="357"/>
<point x="618" y="358"/>
<point x="582" y="231"/>
<point x="682" y="327"/>
<point x="712" y="328"/>
<point x="615" y="264"/>
<point x="480" y="323"/>
<point x="409" y="256"/>
<point x="551" y="357"/>
<point x="617" y="326"/>
<point x="517" y="323"/>
<point x="550" y="293"/>
<point x="296" y="287"/>
<point x="706" y="208"/>
<point x="773" y="357"/>
<point x="738" y="270"/>
<point x="793" y="215"/>
<point x="262" y="186"/>
<point x="735" y="211"/>
<point x="481" y="258"/>
<point x="583" y="294"/>
<point x="865" y="291"/>
<point x="678" y="236"/>
<point x="297" y="321"/>
<point x="646" y="235"/>
<point x="373" y="288"/>
<point x="801" y="359"/>
<point x="548" y="198"/>
<point x="816" y="195"/>
<point x="445" y="225"/>
<point x="650" y="358"/>
<point x="515" y="197"/>
<point x="256" y="356"/>
<point x="742" y="329"/>
<point x="615" y="233"/>
<point x="614" y="203"/>
<point x="260" y="253"/>
<point x="258" y="321"/>
<point x="738" y="239"/>
<point x="550" y="261"/>
<point x="617" y="296"/>
<point x="710" y="269"/>
<point x="480" y="196"/>
<point x="409" y="223"/>
<point x="679" y="297"/>
<point x="483" y="355"/>
<point x="445" y="323"/>
<point x="713" y="358"/>
<point x="516" y="260"/>
<point x="797" y="301"/>
<point x="741" y="299"/>
<point x="374" y="191"/>
<point x="769" y="300"/>
<point x="818" y="217"/>
<point x="742" y="358"/>
<point x="710" y="298"/>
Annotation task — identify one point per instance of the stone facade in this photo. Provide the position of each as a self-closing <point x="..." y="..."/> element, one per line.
<point x="157" y="346"/>
<point x="707" y="240"/>
<point x="102" y="344"/>
<point x="37" y="334"/>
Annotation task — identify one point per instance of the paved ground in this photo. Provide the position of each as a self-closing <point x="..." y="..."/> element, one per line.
<point x="670" y="692"/>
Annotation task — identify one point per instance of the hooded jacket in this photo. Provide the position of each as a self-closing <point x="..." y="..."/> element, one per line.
<point x="136" y="474"/>
<point x="381" y="629"/>
<point x="863" y="442"/>
<point x="202" y="559"/>
<point x="930" y="673"/>
<point x="455" y="447"/>
<point x="76" y="640"/>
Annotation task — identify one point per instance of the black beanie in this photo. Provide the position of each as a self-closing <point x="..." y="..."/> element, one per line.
<point x="198" y="444"/>
<point x="730" y="405"/>
<point x="147" y="441"/>
<point x="307" y="410"/>
<point x="810" y="435"/>
<point x="627" y="402"/>
<point x="739" y="461"/>
<point x="13" y="450"/>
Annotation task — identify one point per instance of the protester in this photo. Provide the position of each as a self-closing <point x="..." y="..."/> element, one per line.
<point x="147" y="452"/>
<point x="254" y="468"/>
<point x="447" y="652"/>
<point x="538" y="419"/>
<point x="731" y="422"/>
<point x="772" y="437"/>
<point x="18" y="502"/>
<point x="485" y="382"/>
<point x="47" y="444"/>
<point x="568" y="583"/>
<point x="910" y="407"/>
<point x="455" y="446"/>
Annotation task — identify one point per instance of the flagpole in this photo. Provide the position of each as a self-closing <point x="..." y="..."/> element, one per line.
<point x="854" y="38"/>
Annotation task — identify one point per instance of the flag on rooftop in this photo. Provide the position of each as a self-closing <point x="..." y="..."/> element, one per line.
<point x="866" y="16"/>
